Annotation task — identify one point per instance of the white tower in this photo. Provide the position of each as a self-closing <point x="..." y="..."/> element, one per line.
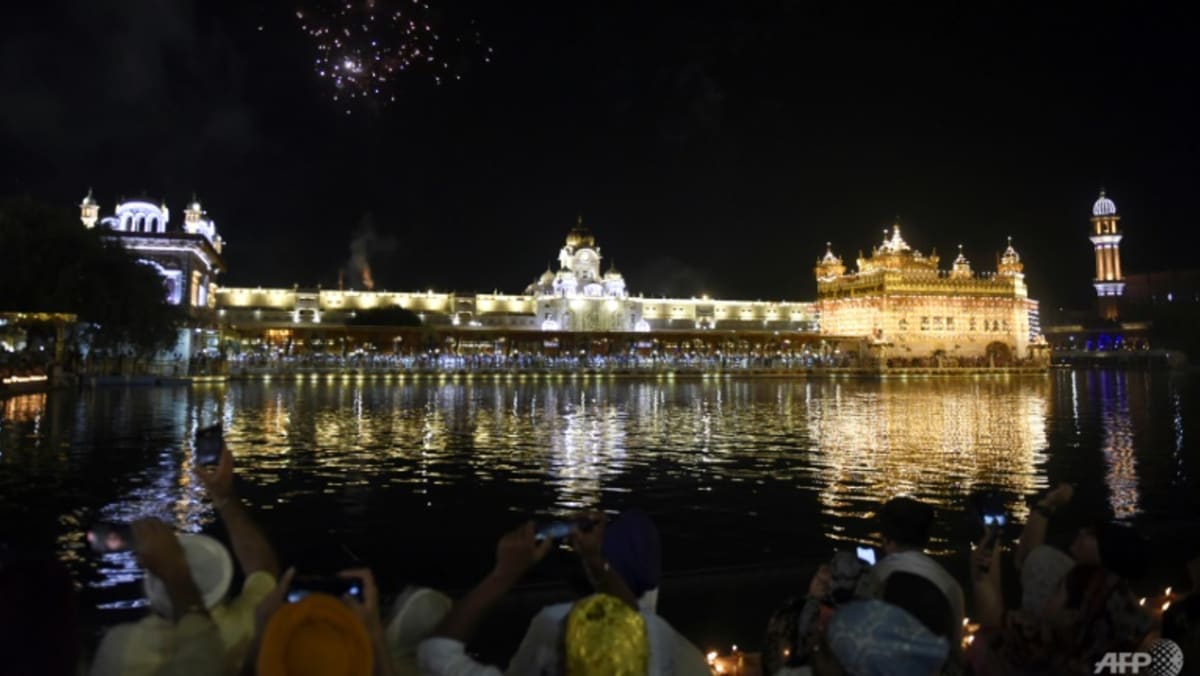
<point x="89" y="211"/>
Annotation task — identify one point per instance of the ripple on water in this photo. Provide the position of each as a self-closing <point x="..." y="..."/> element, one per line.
<point x="419" y="479"/>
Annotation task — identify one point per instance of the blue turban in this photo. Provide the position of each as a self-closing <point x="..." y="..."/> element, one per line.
<point x="633" y="548"/>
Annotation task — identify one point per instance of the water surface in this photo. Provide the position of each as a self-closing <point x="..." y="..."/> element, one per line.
<point x="418" y="479"/>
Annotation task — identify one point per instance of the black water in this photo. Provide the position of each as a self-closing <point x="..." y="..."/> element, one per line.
<point x="418" y="480"/>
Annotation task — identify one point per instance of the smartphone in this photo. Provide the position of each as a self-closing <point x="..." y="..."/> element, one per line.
<point x="209" y="441"/>
<point x="559" y="530"/>
<point x="866" y="554"/>
<point x="995" y="520"/>
<point x="988" y="516"/>
<point x="334" y="586"/>
<point x="107" y="537"/>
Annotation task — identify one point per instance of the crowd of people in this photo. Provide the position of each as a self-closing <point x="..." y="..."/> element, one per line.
<point x="452" y="362"/>
<point x="904" y="614"/>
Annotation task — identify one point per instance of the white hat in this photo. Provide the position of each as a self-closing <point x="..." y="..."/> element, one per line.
<point x="211" y="568"/>
<point x="416" y="612"/>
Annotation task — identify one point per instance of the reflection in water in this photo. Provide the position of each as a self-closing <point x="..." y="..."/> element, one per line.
<point x="782" y="466"/>
<point x="935" y="440"/>
<point x="25" y="408"/>
<point x="1121" y="476"/>
<point x="1179" y="475"/>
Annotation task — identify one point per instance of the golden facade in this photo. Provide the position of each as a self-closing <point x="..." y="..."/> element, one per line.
<point x="909" y="308"/>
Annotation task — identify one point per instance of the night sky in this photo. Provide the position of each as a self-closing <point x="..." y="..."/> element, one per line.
<point x="711" y="147"/>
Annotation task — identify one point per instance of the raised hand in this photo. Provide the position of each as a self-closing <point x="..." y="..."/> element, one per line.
<point x="158" y="550"/>
<point x="589" y="544"/>
<point x="519" y="549"/>
<point x="367" y="609"/>
<point x="1058" y="497"/>
<point x="218" y="481"/>
<point x="273" y="601"/>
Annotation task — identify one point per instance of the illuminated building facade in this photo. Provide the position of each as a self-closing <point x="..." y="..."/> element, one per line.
<point x="897" y="301"/>
<point x="1106" y="239"/>
<point x="188" y="257"/>
<point x="575" y="298"/>
<point x="910" y="308"/>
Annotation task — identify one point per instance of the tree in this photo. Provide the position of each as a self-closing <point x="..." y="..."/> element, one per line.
<point x="50" y="263"/>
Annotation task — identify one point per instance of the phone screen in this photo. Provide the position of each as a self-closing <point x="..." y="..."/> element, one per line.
<point x="208" y="446"/>
<point x="555" y="530"/>
<point x="867" y="554"/>
<point x="334" y="586"/>
<point x="559" y="530"/>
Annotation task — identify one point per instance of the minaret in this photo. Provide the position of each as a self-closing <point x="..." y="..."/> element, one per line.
<point x="89" y="211"/>
<point x="1106" y="239"/>
<point x="962" y="267"/>
<point x="192" y="215"/>
<point x="829" y="267"/>
<point x="1010" y="262"/>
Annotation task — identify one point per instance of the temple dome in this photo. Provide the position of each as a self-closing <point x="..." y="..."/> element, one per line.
<point x="1104" y="206"/>
<point x="1010" y="254"/>
<point x="579" y="236"/>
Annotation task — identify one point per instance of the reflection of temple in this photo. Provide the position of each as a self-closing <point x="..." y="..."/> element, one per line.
<point x="900" y="298"/>
<point x="939" y="441"/>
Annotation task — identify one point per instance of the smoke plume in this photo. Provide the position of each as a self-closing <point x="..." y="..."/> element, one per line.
<point x="366" y="243"/>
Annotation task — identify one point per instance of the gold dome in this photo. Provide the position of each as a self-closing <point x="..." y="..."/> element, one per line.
<point x="580" y="236"/>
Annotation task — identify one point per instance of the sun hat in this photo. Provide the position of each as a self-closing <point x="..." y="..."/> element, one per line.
<point x="211" y="568"/>
<point x="317" y="635"/>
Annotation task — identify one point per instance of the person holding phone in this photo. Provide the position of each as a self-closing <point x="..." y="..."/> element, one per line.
<point x="904" y="525"/>
<point x="604" y="633"/>
<point x="323" y="626"/>
<point x="143" y="647"/>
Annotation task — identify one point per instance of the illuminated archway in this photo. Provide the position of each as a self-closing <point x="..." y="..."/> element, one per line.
<point x="999" y="353"/>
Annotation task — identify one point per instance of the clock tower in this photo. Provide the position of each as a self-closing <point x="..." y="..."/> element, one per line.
<point x="1106" y="239"/>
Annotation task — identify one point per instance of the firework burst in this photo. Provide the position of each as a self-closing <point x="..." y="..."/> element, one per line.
<point x="364" y="48"/>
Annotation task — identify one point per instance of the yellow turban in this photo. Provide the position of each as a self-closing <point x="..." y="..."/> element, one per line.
<point x="317" y="635"/>
<point x="605" y="637"/>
